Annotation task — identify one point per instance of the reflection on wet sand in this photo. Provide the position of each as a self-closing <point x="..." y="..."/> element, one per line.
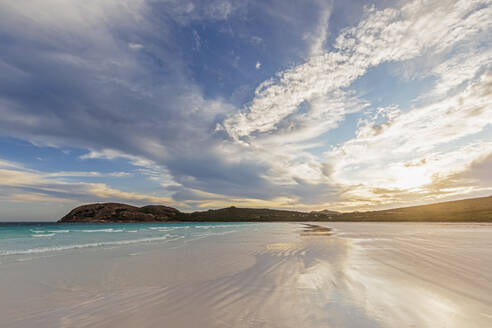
<point x="315" y="230"/>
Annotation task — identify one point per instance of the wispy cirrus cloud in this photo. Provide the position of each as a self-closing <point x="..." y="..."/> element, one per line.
<point x="386" y="35"/>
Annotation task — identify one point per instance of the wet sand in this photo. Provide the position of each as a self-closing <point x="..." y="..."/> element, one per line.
<point x="273" y="275"/>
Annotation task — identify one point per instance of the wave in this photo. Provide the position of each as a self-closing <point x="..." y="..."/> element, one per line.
<point x="59" y="231"/>
<point x="103" y="230"/>
<point x="89" y="245"/>
<point x="212" y="226"/>
<point x="43" y="235"/>
<point x="208" y="234"/>
<point x="163" y="228"/>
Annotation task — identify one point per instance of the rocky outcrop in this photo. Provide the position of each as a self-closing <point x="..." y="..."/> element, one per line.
<point x="115" y="212"/>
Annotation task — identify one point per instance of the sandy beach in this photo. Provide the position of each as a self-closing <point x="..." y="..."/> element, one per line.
<point x="269" y="275"/>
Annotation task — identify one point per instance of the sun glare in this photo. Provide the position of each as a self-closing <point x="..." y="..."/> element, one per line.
<point x="413" y="177"/>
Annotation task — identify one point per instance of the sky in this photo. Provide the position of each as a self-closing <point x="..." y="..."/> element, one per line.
<point x="306" y="105"/>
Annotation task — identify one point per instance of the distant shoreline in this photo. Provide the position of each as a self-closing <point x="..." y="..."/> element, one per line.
<point x="466" y="210"/>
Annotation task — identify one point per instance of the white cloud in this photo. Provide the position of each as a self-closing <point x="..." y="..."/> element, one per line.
<point x="420" y="130"/>
<point x="101" y="190"/>
<point x="219" y="9"/>
<point x="460" y="69"/>
<point x="387" y="35"/>
<point x="256" y="40"/>
<point x="113" y="154"/>
<point x="22" y="184"/>
<point x="319" y="38"/>
<point x="146" y="167"/>
<point x="135" y="46"/>
<point x="258" y="65"/>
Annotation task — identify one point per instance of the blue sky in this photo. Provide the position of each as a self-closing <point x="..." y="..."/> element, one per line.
<point x="346" y="105"/>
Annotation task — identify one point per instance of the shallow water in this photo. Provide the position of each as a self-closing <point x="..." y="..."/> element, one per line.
<point x="20" y="239"/>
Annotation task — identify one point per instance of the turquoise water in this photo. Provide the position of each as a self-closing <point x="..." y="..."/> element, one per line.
<point x="41" y="238"/>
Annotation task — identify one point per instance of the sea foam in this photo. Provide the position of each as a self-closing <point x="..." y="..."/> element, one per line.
<point x="88" y="245"/>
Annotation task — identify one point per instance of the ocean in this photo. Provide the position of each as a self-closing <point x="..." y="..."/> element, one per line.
<point x="18" y="240"/>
